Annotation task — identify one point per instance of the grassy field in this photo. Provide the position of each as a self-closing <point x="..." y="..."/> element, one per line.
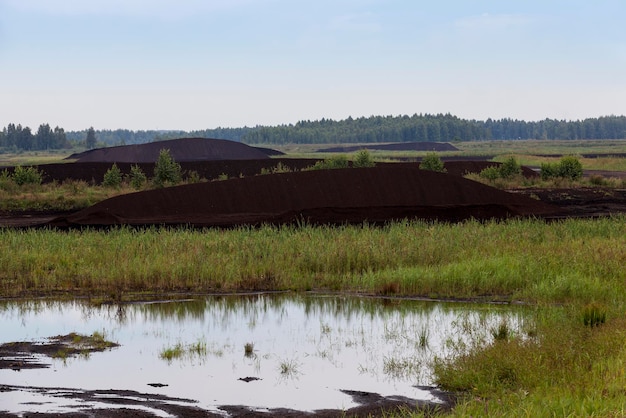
<point x="482" y="148"/>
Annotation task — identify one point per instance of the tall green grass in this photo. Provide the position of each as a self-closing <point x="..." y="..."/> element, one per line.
<point x="527" y="260"/>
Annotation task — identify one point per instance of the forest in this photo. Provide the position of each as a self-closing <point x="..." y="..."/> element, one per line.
<point x="422" y="127"/>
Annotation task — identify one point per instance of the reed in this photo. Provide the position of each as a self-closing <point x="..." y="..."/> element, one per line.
<point x="526" y="260"/>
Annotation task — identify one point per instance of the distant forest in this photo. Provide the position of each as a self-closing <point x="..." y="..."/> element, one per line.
<point x="423" y="127"/>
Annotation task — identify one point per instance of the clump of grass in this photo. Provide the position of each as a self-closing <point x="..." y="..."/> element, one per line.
<point x="593" y="315"/>
<point x="502" y="332"/>
<point x="179" y="351"/>
<point x="248" y="349"/>
<point x="171" y="353"/>
<point x="289" y="368"/>
<point x="422" y="338"/>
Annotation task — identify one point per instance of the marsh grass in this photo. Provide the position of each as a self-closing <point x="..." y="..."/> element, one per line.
<point x="289" y="368"/>
<point x="248" y="349"/>
<point x="569" y="370"/>
<point x="186" y="351"/>
<point x="528" y="260"/>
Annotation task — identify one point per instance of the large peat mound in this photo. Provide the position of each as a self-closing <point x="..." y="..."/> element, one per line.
<point x="184" y="149"/>
<point x="351" y="195"/>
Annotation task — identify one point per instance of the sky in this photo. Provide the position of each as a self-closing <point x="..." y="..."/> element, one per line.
<point x="203" y="64"/>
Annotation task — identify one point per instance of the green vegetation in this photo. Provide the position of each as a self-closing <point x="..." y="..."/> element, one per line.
<point x="508" y="170"/>
<point x="569" y="168"/>
<point x="137" y="177"/>
<point x="113" y="177"/>
<point x="166" y="170"/>
<point x="338" y="161"/>
<point x="363" y="158"/>
<point x="24" y="175"/>
<point x="432" y="162"/>
<point x="182" y="351"/>
<point x="560" y="262"/>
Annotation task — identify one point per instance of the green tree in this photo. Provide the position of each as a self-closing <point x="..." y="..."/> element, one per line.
<point x="432" y="162"/>
<point x="91" y="141"/>
<point x="510" y="168"/>
<point x="363" y="158"/>
<point x="166" y="170"/>
<point x="113" y="177"/>
<point x="137" y="177"/>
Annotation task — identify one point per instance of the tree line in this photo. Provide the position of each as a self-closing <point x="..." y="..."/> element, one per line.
<point x="16" y="137"/>
<point x="422" y="127"/>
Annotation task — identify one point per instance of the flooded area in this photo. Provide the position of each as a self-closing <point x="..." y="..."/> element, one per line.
<point x="260" y="351"/>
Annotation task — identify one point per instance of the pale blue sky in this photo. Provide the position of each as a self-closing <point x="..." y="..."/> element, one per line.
<point x="196" y="64"/>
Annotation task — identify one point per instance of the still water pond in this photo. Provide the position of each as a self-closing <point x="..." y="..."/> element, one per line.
<point x="302" y="351"/>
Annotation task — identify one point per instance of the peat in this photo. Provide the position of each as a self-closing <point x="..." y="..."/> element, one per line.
<point x="352" y="195"/>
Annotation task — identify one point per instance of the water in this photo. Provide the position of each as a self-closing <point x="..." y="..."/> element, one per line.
<point x="306" y="349"/>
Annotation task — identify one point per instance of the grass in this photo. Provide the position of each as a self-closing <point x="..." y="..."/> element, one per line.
<point x="527" y="260"/>
<point x="189" y="351"/>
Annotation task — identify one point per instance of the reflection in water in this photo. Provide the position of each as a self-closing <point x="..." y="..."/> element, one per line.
<point x="292" y="351"/>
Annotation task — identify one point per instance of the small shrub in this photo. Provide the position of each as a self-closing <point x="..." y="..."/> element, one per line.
<point x="6" y="182"/>
<point x="570" y="168"/>
<point x="549" y="171"/>
<point x="490" y="173"/>
<point x="193" y="177"/>
<point x="510" y="168"/>
<point x="166" y="171"/>
<point x="432" y="162"/>
<point x="113" y="177"/>
<point x="339" y="161"/>
<point x="26" y="175"/>
<point x="598" y="180"/>
<point x="363" y="158"/>
<point x="137" y="177"/>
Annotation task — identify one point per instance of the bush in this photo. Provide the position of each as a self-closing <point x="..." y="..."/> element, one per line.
<point x="193" y="177"/>
<point x="113" y="177"/>
<point x="339" y="161"/>
<point x="568" y="168"/>
<point x="490" y="173"/>
<point x="363" y="158"/>
<point x="26" y="175"/>
<point x="549" y="170"/>
<point x="137" y="177"/>
<point x="6" y="182"/>
<point x="432" y="162"/>
<point x="166" y="170"/>
<point x="510" y="168"/>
